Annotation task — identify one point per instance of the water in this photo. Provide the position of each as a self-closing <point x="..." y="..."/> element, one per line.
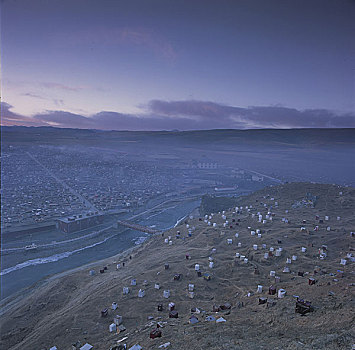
<point x="23" y="269"/>
<point x="48" y="259"/>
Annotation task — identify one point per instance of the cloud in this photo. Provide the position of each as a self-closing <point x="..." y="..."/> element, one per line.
<point x="7" y="113"/>
<point x="58" y="102"/>
<point x="109" y="37"/>
<point x="10" y="118"/>
<point x="107" y="120"/>
<point x="252" y="117"/>
<point x="29" y="94"/>
<point x="58" y="86"/>
<point x="200" y="109"/>
<point x="282" y="117"/>
<point x="188" y="115"/>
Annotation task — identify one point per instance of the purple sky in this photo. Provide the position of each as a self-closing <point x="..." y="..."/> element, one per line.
<point x="185" y="64"/>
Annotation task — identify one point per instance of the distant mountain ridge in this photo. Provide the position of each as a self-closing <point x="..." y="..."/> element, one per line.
<point x="252" y="137"/>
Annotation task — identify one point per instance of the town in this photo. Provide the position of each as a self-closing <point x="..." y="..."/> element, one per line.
<point x="64" y="181"/>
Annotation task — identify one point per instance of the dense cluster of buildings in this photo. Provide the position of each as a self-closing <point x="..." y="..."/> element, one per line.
<point x="30" y="195"/>
<point x="46" y="183"/>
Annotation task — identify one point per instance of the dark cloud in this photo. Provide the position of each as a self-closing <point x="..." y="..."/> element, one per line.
<point x="253" y="117"/>
<point x="10" y="118"/>
<point x="7" y="113"/>
<point x="192" y="108"/>
<point x="65" y="119"/>
<point x="117" y="121"/>
<point x="282" y="117"/>
<point x="188" y="115"/>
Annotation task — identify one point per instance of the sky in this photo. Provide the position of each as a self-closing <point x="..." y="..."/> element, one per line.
<point x="178" y="64"/>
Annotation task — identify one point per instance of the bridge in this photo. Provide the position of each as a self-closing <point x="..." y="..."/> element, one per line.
<point x="138" y="227"/>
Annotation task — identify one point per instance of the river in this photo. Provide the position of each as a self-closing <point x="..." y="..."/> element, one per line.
<point x="22" y="269"/>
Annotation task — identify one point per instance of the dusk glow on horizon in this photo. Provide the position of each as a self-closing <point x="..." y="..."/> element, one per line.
<point x="186" y="65"/>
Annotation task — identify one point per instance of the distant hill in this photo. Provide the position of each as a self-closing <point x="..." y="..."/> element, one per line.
<point x="212" y="138"/>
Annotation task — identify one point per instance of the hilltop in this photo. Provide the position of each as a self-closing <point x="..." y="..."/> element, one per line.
<point x="316" y="217"/>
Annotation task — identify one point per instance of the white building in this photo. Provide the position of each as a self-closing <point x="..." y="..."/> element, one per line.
<point x="207" y="165"/>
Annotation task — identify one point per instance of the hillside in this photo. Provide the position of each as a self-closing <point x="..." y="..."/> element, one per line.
<point x="212" y="204"/>
<point x="64" y="310"/>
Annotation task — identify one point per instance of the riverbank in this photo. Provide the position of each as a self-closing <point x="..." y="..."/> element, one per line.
<point x="11" y="300"/>
<point x="22" y="269"/>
